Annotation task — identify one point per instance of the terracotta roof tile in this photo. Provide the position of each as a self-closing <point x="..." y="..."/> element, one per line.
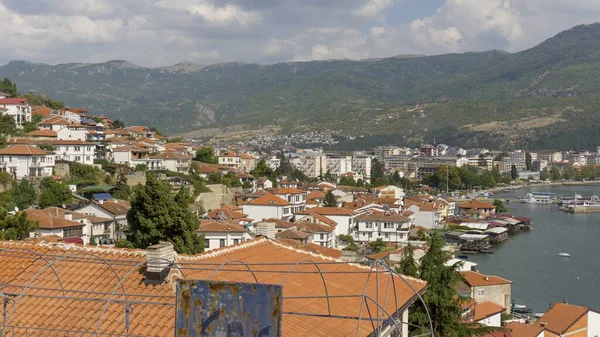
<point x="42" y="133"/>
<point x="523" y="330"/>
<point x="269" y="200"/>
<point x="312" y="227"/>
<point x="476" y="204"/>
<point x="292" y="234"/>
<point x="114" y="207"/>
<point x="382" y="217"/>
<point x="486" y="309"/>
<point x="288" y="190"/>
<point x="80" y="272"/>
<point x="216" y="226"/>
<point x="475" y="279"/>
<point x="55" y="120"/>
<point x="561" y="317"/>
<point x="50" y="222"/>
<point x="23" y="150"/>
<point x="328" y="211"/>
<point x="227" y="213"/>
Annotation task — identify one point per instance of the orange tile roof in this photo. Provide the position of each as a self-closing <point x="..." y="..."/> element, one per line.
<point x="214" y="214"/>
<point x="269" y="200"/>
<point x="288" y="190"/>
<point x="56" y="120"/>
<point x="475" y="279"/>
<point x="22" y="150"/>
<point x="430" y="207"/>
<point x="171" y="155"/>
<point x="137" y="129"/>
<point x="476" y="204"/>
<point x="246" y="156"/>
<point x="313" y="227"/>
<point x="322" y="218"/>
<point x="50" y="222"/>
<point x="315" y="195"/>
<point x="43" y="111"/>
<point x="70" y="142"/>
<point x="207" y="226"/>
<point x="114" y="207"/>
<point x="328" y="211"/>
<point x="313" y="248"/>
<point x="292" y="234"/>
<point x="60" y="212"/>
<point x="130" y="148"/>
<point x="281" y="223"/>
<point x="523" y="330"/>
<point x="485" y="309"/>
<point x="561" y="317"/>
<point x="80" y="310"/>
<point x="42" y="133"/>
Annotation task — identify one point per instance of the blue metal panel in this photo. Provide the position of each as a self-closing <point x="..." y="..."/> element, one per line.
<point x="102" y="196"/>
<point x="227" y="309"/>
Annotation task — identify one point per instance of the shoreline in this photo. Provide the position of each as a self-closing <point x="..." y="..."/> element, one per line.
<point x="558" y="183"/>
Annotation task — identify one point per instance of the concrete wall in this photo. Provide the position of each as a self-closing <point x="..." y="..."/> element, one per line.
<point x="495" y="320"/>
<point x="220" y="195"/>
<point x="499" y="294"/>
<point x="593" y="324"/>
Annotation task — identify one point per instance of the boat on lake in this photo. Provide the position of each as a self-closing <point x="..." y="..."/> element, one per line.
<point x="539" y="198"/>
<point x="564" y="254"/>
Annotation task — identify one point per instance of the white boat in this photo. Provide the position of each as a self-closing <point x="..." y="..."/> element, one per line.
<point x="520" y="306"/>
<point x="539" y="198"/>
<point x="564" y="254"/>
<point x="539" y="314"/>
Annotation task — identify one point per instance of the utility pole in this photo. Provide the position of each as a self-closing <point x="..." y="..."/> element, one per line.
<point x="447" y="179"/>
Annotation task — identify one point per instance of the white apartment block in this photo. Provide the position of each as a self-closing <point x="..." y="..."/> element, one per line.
<point x="18" y="108"/>
<point x="391" y="228"/>
<point x="75" y="150"/>
<point x="337" y="165"/>
<point x="312" y="165"/>
<point x="361" y="165"/>
<point x="23" y="161"/>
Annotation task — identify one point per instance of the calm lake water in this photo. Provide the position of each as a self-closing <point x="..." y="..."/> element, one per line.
<point x="531" y="260"/>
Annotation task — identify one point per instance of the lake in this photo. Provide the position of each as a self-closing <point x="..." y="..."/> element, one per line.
<point x="530" y="259"/>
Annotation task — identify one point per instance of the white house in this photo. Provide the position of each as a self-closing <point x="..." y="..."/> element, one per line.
<point x="483" y="312"/>
<point x="93" y="226"/>
<point x="75" y="150"/>
<point x="230" y="160"/>
<point x="18" y="108"/>
<point x="116" y="211"/>
<point x="133" y="155"/>
<point x="344" y="218"/>
<point x="52" y="225"/>
<point x="390" y="191"/>
<point x="392" y="228"/>
<point x="173" y="161"/>
<point x="26" y="161"/>
<point x="294" y="196"/>
<point x="320" y="234"/>
<point x="73" y="132"/>
<point x="54" y="123"/>
<point x="428" y="215"/>
<point x="219" y="234"/>
<point x="268" y="206"/>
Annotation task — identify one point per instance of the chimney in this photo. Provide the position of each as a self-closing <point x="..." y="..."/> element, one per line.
<point x="486" y="278"/>
<point x="543" y="324"/>
<point x="159" y="259"/>
<point x="266" y="229"/>
<point x="68" y="216"/>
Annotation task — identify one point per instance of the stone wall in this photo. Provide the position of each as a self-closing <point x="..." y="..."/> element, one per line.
<point x="219" y="195"/>
<point x="62" y="169"/>
<point x="136" y="178"/>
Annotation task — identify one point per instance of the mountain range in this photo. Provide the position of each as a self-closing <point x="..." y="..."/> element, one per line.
<point x="544" y="97"/>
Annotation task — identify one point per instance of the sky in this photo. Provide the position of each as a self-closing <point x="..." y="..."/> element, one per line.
<point x="165" y="32"/>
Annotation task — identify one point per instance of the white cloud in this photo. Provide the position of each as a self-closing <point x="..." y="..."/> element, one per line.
<point x="374" y="7"/>
<point x="377" y="31"/>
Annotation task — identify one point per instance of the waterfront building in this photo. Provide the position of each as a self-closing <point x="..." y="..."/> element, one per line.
<point x="482" y="287"/>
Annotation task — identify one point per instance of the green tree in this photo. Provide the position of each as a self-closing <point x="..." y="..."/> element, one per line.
<point x="117" y="124"/>
<point x="5" y="178"/>
<point x="54" y="193"/>
<point x="377" y="245"/>
<point x="7" y="125"/>
<point x="544" y="175"/>
<point x="513" y="172"/>
<point x="330" y="200"/>
<point x="555" y="173"/>
<point x="396" y="178"/>
<point x="482" y="162"/>
<point x="156" y="215"/>
<point x="23" y="194"/>
<point x="469" y="176"/>
<point x="347" y="181"/>
<point x="441" y="297"/>
<point x="569" y="172"/>
<point x="360" y="183"/>
<point x="123" y="190"/>
<point x="450" y="173"/>
<point x="500" y="208"/>
<point x="174" y="140"/>
<point x="528" y="162"/>
<point x="487" y="179"/>
<point x="15" y="227"/>
<point x="501" y="155"/>
<point x="261" y="169"/>
<point x="156" y="130"/>
<point x="407" y="265"/>
<point x="328" y="176"/>
<point x="206" y="154"/>
<point x="377" y="172"/>
<point x="8" y="87"/>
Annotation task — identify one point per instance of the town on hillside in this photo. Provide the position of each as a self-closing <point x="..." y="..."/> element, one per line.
<point x="107" y="218"/>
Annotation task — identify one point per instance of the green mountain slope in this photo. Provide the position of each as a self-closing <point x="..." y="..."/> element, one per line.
<point x="546" y="96"/>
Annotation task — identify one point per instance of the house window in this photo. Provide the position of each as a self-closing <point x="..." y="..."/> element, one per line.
<point x="221" y="242"/>
<point x="89" y="148"/>
<point x="74" y="231"/>
<point x="369" y="225"/>
<point x="388" y="225"/>
<point x="77" y="158"/>
<point x="480" y="292"/>
<point x="386" y="235"/>
<point x="322" y="236"/>
<point x="369" y="235"/>
<point x="236" y="241"/>
<point x="206" y="243"/>
<point x="87" y="158"/>
<point x="77" y="148"/>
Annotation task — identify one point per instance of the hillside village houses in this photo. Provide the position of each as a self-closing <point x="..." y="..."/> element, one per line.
<point x="26" y="161"/>
<point x="18" y="108"/>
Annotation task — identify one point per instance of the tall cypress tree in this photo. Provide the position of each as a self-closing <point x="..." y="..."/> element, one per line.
<point x="408" y="265"/>
<point x="156" y="215"/>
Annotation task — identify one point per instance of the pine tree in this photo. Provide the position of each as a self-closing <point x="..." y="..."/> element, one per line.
<point x="407" y="265"/>
<point x="53" y="193"/>
<point x="528" y="162"/>
<point x="377" y="174"/>
<point x="330" y="200"/>
<point x="156" y="215"/>
<point x="513" y="172"/>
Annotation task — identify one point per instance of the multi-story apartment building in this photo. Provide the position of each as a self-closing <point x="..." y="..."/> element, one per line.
<point x="312" y="165"/>
<point x="361" y="165"/>
<point x="550" y="156"/>
<point x="18" y="108"/>
<point x="518" y="155"/>
<point x="75" y="150"/>
<point x="338" y="164"/>
<point x="506" y="163"/>
<point x="392" y="228"/>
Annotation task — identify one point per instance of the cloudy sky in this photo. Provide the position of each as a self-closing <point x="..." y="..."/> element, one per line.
<point x="163" y="32"/>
